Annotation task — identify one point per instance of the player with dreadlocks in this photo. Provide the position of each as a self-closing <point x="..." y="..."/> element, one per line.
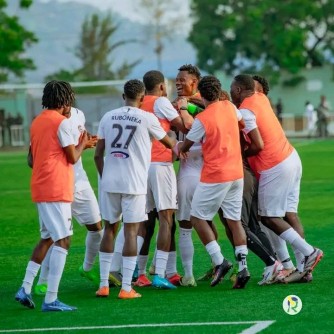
<point x="52" y="186"/>
<point x="221" y="182"/>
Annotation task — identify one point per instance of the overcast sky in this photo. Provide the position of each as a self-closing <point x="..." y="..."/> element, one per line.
<point x="124" y="7"/>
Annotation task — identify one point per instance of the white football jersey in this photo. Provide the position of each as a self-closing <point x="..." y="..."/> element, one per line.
<point x="194" y="162"/>
<point x="77" y="121"/>
<point x="128" y="132"/>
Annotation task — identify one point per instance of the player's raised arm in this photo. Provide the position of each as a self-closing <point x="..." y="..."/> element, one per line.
<point x="73" y="153"/>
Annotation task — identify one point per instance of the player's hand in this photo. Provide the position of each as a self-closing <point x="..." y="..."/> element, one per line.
<point x="92" y="140"/>
<point x="184" y="155"/>
<point x="182" y="103"/>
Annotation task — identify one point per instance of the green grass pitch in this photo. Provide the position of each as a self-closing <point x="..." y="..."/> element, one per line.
<point x="185" y="310"/>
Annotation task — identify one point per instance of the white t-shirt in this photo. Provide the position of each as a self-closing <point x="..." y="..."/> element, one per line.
<point x="77" y="122"/>
<point x="127" y="132"/>
<point x="64" y="133"/>
<point x="250" y="120"/>
<point x="192" y="166"/>
<point x="163" y="109"/>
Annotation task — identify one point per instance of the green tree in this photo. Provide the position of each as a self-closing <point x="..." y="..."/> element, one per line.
<point x="266" y="36"/>
<point x="14" y="40"/>
<point x="95" y="51"/>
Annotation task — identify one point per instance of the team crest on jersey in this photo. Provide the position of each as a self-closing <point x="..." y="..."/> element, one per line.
<point x="81" y="128"/>
<point x="119" y="154"/>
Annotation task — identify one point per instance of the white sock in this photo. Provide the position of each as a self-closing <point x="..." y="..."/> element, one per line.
<point x="140" y="242"/>
<point x="120" y="240"/>
<point x="171" y="264"/>
<point x="43" y="275"/>
<point x="161" y="263"/>
<point x="299" y="259"/>
<point x="214" y="251"/>
<point x="116" y="264"/>
<point x="186" y="247"/>
<point x="142" y="263"/>
<point x="280" y="247"/>
<point x="291" y="236"/>
<point x="105" y="261"/>
<point x="241" y="254"/>
<point x="57" y="264"/>
<point x="129" y="265"/>
<point x="31" y="272"/>
<point x="93" y="240"/>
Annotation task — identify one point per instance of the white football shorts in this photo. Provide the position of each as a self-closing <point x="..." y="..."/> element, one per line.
<point x="279" y="187"/>
<point x="209" y="197"/>
<point x="161" y="188"/>
<point x="132" y="207"/>
<point x="85" y="208"/>
<point x="185" y="192"/>
<point x="55" y="220"/>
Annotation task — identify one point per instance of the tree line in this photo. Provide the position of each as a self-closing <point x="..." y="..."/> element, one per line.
<point x="247" y="35"/>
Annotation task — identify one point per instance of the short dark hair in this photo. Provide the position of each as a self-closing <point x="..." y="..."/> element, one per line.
<point x="133" y="88"/>
<point x="191" y="69"/>
<point x="210" y="88"/>
<point x="263" y="82"/>
<point x="57" y="94"/>
<point x="245" y="81"/>
<point x="153" y="78"/>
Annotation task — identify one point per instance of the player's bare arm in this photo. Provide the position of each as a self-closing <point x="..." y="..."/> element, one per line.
<point x="99" y="154"/>
<point x="168" y="141"/>
<point x="187" y="119"/>
<point x="73" y="153"/>
<point x="183" y="150"/>
<point x="256" y="145"/>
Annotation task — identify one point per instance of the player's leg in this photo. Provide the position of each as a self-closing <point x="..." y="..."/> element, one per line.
<point x="272" y="207"/>
<point x="171" y="269"/>
<point x="232" y="206"/>
<point x="57" y="219"/>
<point x="133" y="207"/>
<point x="146" y="230"/>
<point x="112" y="215"/>
<point x="185" y="191"/>
<point x="162" y="182"/>
<point x="24" y="293"/>
<point x="86" y="211"/>
<point x="206" y="202"/>
<point x="115" y="276"/>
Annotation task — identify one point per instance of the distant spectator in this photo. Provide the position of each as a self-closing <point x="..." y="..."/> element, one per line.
<point x="18" y="119"/>
<point x="323" y="117"/>
<point x="311" y="116"/>
<point x="10" y="120"/>
<point x="279" y="110"/>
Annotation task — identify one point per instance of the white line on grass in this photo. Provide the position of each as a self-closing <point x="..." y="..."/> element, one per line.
<point x="257" y="327"/>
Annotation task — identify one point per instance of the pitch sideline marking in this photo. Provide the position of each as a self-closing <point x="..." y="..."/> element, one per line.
<point x="257" y="326"/>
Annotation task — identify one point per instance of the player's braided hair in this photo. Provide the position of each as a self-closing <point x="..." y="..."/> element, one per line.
<point x="153" y="78"/>
<point x="210" y="88"/>
<point x="245" y="81"/>
<point x="263" y="82"/>
<point x="191" y="69"/>
<point x="57" y="94"/>
<point x="133" y="88"/>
